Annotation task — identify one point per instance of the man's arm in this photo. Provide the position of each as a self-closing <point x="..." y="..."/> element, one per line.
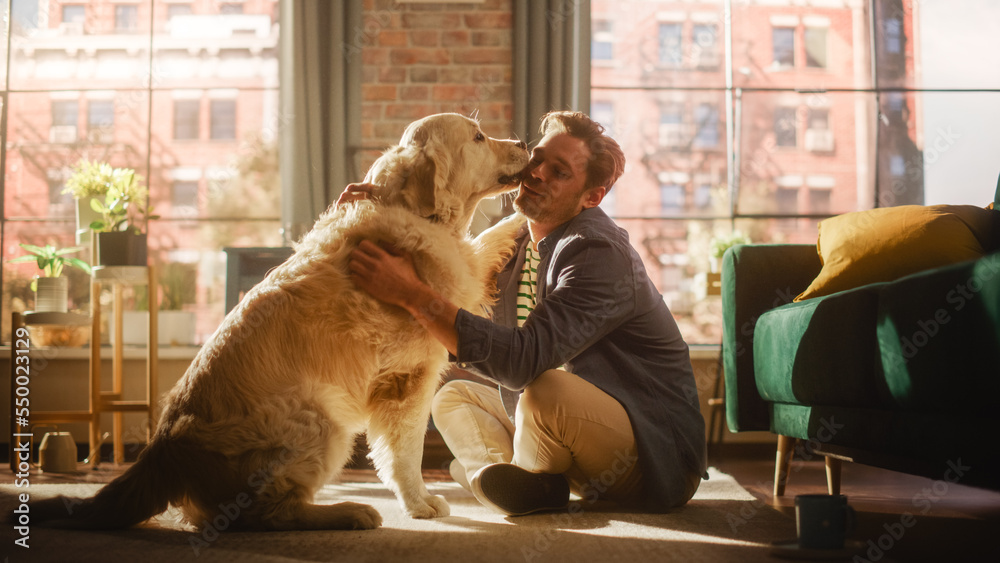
<point x="391" y="278"/>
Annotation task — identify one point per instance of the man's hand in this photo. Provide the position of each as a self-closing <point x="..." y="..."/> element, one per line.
<point x="355" y="192"/>
<point x="390" y="277"/>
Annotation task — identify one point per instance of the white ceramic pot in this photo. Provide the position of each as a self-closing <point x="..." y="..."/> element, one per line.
<point x="57" y="453"/>
<point x="52" y="295"/>
<point x="174" y="328"/>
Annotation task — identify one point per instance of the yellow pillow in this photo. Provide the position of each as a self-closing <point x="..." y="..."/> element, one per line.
<point x="888" y="243"/>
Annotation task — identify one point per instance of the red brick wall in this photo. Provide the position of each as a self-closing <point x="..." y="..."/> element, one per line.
<point x="421" y="59"/>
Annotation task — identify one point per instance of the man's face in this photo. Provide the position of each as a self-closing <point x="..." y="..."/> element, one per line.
<point x="552" y="185"/>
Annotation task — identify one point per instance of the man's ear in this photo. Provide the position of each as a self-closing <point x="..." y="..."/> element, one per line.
<point x="592" y="197"/>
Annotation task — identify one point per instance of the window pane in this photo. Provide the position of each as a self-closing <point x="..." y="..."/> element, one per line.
<point x="815" y="41"/>
<point x="80" y="46"/>
<point x="220" y="49"/>
<point x="783" y="47"/>
<point x="187" y="118"/>
<point x="656" y="44"/>
<point x="234" y="178"/>
<point x="794" y="143"/>
<point x="222" y="117"/>
<point x="938" y="43"/>
<point x="800" y="45"/>
<point x="44" y="141"/>
<point x="933" y="148"/>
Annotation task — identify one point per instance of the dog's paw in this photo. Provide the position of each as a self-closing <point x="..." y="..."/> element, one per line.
<point x="434" y="506"/>
<point x="363" y="517"/>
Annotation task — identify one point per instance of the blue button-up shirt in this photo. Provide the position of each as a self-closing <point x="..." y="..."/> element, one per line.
<point x="599" y="314"/>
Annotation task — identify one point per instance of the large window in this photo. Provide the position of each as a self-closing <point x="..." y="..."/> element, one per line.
<point x="810" y="109"/>
<point x="185" y="93"/>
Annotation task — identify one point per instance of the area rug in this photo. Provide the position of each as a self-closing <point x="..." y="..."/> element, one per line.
<point x="723" y="522"/>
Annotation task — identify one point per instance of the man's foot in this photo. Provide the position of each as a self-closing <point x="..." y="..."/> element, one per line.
<point x="513" y="491"/>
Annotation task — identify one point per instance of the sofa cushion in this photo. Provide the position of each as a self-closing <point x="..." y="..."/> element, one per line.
<point x="821" y="351"/>
<point x="939" y="337"/>
<point x="887" y="243"/>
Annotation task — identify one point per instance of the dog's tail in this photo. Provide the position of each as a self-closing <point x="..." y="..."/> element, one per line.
<point x="143" y="491"/>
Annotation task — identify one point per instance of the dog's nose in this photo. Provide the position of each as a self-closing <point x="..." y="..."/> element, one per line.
<point x="521" y="145"/>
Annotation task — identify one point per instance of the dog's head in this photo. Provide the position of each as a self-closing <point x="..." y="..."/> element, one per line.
<point x="444" y="166"/>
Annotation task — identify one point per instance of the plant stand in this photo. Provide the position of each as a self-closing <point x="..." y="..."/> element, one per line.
<point x="118" y="277"/>
<point x="38" y="417"/>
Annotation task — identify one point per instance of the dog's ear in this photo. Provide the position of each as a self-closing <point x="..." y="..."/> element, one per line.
<point x="418" y="188"/>
<point x="426" y="184"/>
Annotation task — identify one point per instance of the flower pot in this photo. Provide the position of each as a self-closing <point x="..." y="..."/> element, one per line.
<point x="85" y="215"/>
<point x="176" y="328"/>
<point x="51" y="295"/>
<point x="121" y="249"/>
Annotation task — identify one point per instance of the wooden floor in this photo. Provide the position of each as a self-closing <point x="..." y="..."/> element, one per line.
<point x="900" y="517"/>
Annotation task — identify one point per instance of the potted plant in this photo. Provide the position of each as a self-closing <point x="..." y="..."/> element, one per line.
<point x="721" y="243"/>
<point x="51" y="293"/>
<point x="91" y="180"/>
<point x="51" y="288"/>
<point x="177" y="327"/>
<point x="124" y="214"/>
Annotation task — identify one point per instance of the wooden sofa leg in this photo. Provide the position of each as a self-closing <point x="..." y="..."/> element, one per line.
<point x="833" y="475"/>
<point x="782" y="463"/>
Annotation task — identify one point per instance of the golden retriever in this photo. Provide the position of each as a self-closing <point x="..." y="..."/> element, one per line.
<point x="269" y="409"/>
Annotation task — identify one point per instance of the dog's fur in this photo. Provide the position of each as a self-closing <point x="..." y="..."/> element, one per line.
<point x="269" y="409"/>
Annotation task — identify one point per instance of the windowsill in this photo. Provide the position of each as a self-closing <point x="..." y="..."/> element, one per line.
<point x="705" y="351"/>
<point x="186" y="353"/>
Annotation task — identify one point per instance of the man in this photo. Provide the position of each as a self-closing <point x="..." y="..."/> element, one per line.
<point x="597" y="392"/>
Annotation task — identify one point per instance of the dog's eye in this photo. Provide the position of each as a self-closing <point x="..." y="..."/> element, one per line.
<point x="480" y="137"/>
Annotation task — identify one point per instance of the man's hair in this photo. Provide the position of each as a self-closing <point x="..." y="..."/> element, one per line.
<point x="606" y="162"/>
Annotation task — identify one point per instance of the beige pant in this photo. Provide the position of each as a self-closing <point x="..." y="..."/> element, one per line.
<point x="563" y="425"/>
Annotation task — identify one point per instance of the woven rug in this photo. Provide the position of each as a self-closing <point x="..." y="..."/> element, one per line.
<point x="723" y="522"/>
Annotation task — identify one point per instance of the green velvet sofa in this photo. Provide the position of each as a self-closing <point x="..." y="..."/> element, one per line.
<point x="903" y="375"/>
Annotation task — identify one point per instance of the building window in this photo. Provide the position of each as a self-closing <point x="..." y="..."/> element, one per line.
<point x="126" y="17"/>
<point x="74" y="13"/>
<point x="819" y="201"/>
<point x="186" y="118"/>
<point x="604" y="113"/>
<point x="787" y="201"/>
<point x="672" y="126"/>
<point x="174" y="10"/>
<point x="783" y="46"/>
<point x="671" y="198"/>
<point x="816" y="52"/>
<point x="602" y="44"/>
<point x="64" y="121"/>
<point x="101" y="121"/>
<point x="706" y="46"/>
<point x="671" y="50"/>
<point x="897" y="166"/>
<point x="707" y="126"/>
<point x="784" y="127"/>
<point x="184" y="198"/>
<point x="223" y="119"/>
<point x="893" y="36"/>
<point x="703" y="197"/>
